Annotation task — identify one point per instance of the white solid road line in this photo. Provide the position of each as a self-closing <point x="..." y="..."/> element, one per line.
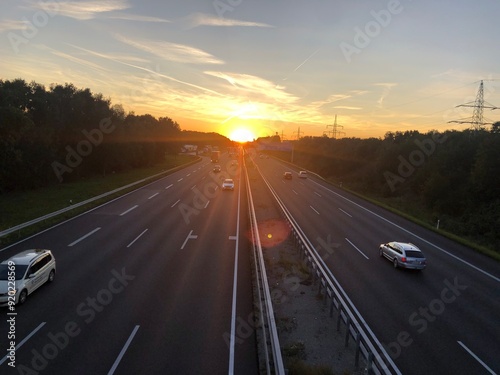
<point x="357" y="248"/>
<point x="413" y="234"/>
<point x="144" y="231"/>
<point x="190" y="236"/>
<point x="130" y="209"/>
<point x="476" y="358"/>
<point x="345" y="212"/>
<point x="25" y="339"/>
<point x="84" y="237"/>
<point x="235" y="286"/>
<point x="312" y="208"/>
<point x="124" y="349"/>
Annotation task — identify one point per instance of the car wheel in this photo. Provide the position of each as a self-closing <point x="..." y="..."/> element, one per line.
<point x="395" y="262"/>
<point x="23" y="296"/>
<point x="52" y="274"/>
<point x="381" y="253"/>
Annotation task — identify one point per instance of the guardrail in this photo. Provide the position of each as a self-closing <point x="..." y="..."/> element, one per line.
<point x="90" y="200"/>
<point x="270" y="340"/>
<point x="377" y="360"/>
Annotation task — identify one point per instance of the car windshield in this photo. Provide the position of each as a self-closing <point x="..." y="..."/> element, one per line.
<point x="414" y="254"/>
<point x="20" y="270"/>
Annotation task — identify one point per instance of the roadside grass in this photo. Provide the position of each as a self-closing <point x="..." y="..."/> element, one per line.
<point x="419" y="217"/>
<point x="414" y="214"/>
<point x="19" y="207"/>
<point x="295" y="354"/>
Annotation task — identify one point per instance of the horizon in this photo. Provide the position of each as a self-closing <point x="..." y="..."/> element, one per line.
<point x="255" y="69"/>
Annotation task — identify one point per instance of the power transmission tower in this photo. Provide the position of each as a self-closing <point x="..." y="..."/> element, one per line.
<point x="477" y="120"/>
<point x="298" y="132"/>
<point x="334" y="132"/>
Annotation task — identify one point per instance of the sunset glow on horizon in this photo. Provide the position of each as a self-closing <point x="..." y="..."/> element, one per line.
<point x="251" y="69"/>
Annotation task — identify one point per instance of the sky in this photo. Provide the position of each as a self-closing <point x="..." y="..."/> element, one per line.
<point x="253" y="68"/>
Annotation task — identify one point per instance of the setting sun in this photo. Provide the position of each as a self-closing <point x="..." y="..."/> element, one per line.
<point x="242" y="135"/>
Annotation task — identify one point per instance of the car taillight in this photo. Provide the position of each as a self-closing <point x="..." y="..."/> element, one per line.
<point x="403" y="259"/>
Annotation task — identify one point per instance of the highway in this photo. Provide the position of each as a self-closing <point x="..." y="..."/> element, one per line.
<point x="443" y="320"/>
<point x="155" y="282"/>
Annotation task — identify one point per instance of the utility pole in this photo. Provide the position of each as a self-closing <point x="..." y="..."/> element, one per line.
<point x="477" y="120"/>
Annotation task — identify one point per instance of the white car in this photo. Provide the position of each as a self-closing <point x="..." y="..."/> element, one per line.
<point x="228" y="184"/>
<point x="302" y="174"/>
<point x="24" y="273"/>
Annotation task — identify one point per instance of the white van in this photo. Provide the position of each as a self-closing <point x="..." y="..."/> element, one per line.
<point x="24" y="273"/>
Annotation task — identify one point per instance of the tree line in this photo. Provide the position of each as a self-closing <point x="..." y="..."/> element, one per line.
<point x="451" y="176"/>
<point x="64" y="133"/>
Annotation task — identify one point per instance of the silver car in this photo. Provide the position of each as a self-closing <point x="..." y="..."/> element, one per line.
<point x="404" y="255"/>
<point x="228" y="184"/>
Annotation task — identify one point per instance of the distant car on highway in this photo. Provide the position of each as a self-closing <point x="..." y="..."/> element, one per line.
<point x="24" y="273"/>
<point x="228" y="184"/>
<point x="287" y="175"/>
<point x="404" y="255"/>
<point x="302" y="174"/>
<point x="216" y="168"/>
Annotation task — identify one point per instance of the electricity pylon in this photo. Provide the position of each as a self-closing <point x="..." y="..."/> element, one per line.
<point x="477" y="120"/>
<point x="298" y="132"/>
<point x="334" y="132"/>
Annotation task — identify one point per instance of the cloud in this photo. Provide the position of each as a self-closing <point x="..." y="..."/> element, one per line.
<point x="387" y="88"/>
<point x="149" y="71"/>
<point x="330" y="99"/>
<point x="347" y="107"/>
<point x="81" y="10"/>
<point x="255" y="86"/>
<point x="73" y="58"/>
<point x="136" y="17"/>
<point x="11" y="25"/>
<point x="171" y="51"/>
<point x="201" y="19"/>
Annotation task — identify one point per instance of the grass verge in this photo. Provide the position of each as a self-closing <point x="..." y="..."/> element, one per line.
<point x="20" y="207"/>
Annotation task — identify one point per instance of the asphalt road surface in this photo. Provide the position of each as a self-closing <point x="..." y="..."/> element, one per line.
<point x="443" y="320"/>
<point x="155" y="282"/>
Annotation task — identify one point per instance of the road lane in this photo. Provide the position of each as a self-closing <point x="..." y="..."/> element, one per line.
<point x="179" y="297"/>
<point x="405" y="309"/>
